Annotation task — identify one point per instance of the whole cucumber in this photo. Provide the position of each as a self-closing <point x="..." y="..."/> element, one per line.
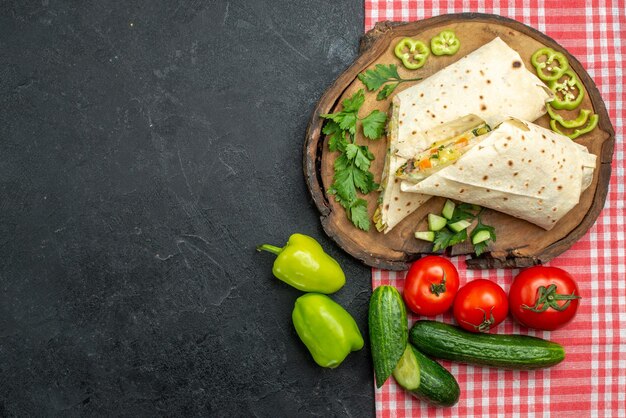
<point x="452" y="343"/>
<point x="388" y="329"/>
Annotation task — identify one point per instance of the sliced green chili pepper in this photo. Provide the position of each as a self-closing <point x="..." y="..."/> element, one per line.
<point x="555" y="63"/>
<point x="580" y="120"/>
<point x="569" y="93"/>
<point x="446" y="43"/>
<point x="593" y="122"/>
<point x="412" y="53"/>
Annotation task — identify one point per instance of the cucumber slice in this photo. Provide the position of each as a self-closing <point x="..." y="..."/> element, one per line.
<point x="407" y="372"/>
<point x="436" y="222"/>
<point x="480" y="236"/>
<point x="458" y="226"/>
<point x="425" y="235"/>
<point x="448" y="209"/>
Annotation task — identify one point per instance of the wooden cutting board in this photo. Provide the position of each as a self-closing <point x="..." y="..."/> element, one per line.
<point x="519" y="243"/>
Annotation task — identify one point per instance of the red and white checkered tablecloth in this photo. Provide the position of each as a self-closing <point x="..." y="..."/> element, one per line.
<point x="591" y="382"/>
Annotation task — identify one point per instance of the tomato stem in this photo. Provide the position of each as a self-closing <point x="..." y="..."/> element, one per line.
<point x="439" y="288"/>
<point x="486" y="324"/>
<point x="548" y="298"/>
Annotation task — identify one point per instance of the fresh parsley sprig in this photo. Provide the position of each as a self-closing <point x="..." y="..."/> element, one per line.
<point x="346" y="119"/>
<point x="352" y="173"/>
<point x="465" y="211"/>
<point x="445" y="238"/>
<point x="380" y="75"/>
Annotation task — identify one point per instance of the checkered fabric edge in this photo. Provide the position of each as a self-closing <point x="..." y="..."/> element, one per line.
<point x="592" y="379"/>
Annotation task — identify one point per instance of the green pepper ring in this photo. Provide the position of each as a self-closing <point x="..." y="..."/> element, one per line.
<point x="577" y="122"/>
<point x="567" y="103"/>
<point x="417" y="51"/>
<point x="593" y="122"/>
<point x="445" y="43"/>
<point x="551" y="55"/>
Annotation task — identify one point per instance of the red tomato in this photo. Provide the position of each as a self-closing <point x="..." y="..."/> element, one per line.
<point x="480" y="305"/>
<point x="430" y="285"/>
<point x="543" y="297"/>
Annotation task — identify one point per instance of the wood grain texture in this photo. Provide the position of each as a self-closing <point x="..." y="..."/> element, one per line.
<point x="519" y="243"/>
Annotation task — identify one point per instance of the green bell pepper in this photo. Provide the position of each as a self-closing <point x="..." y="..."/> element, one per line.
<point x="303" y="264"/>
<point x="412" y="53"/>
<point x="569" y="93"/>
<point x="327" y="329"/>
<point x="555" y="63"/>
<point x="446" y="43"/>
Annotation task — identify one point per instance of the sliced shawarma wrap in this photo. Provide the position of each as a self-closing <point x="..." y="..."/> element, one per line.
<point x="451" y="141"/>
<point x="394" y="205"/>
<point x="520" y="169"/>
<point x="490" y="82"/>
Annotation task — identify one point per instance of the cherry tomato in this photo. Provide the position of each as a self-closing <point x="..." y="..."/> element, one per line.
<point x="480" y="305"/>
<point x="430" y="285"/>
<point x="543" y="297"/>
